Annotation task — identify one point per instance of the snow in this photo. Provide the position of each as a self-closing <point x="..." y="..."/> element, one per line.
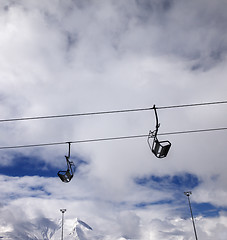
<point x="46" y="229"/>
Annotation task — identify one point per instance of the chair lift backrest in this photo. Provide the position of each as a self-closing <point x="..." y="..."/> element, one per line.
<point x="159" y="148"/>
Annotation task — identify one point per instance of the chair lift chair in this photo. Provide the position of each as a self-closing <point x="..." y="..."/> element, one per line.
<point x="159" y="148"/>
<point x="67" y="175"/>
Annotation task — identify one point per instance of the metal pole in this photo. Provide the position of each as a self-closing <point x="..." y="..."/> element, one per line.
<point x="193" y="223"/>
<point x="62" y="222"/>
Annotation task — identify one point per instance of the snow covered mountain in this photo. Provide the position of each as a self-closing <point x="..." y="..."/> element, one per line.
<point x="46" y="229"/>
<point x="36" y="229"/>
<point x="81" y="231"/>
<point x="75" y="229"/>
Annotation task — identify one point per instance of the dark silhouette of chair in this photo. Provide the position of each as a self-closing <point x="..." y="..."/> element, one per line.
<point x="67" y="175"/>
<point x="159" y="148"/>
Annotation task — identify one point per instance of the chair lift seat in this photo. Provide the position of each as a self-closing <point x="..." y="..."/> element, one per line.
<point x="160" y="148"/>
<point x="65" y="176"/>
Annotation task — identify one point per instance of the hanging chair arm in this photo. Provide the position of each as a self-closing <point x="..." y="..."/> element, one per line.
<point x="69" y="151"/>
<point x="67" y="157"/>
<point x="157" y="123"/>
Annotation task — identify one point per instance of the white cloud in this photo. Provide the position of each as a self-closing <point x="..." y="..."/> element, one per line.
<point x="68" y="57"/>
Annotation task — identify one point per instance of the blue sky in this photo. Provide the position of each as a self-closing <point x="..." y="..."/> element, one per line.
<point x="63" y="57"/>
<point x="34" y="166"/>
<point x="25" y="166"/>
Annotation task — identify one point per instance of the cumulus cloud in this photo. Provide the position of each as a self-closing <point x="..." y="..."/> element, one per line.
<point x="86" y="56"/>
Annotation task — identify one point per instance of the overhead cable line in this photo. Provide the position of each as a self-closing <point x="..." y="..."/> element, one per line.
<point x="74" y="115"/>
<point x="192" y="105"/>
<point x="112" y="138"/>
<point x="109" y="112"/>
